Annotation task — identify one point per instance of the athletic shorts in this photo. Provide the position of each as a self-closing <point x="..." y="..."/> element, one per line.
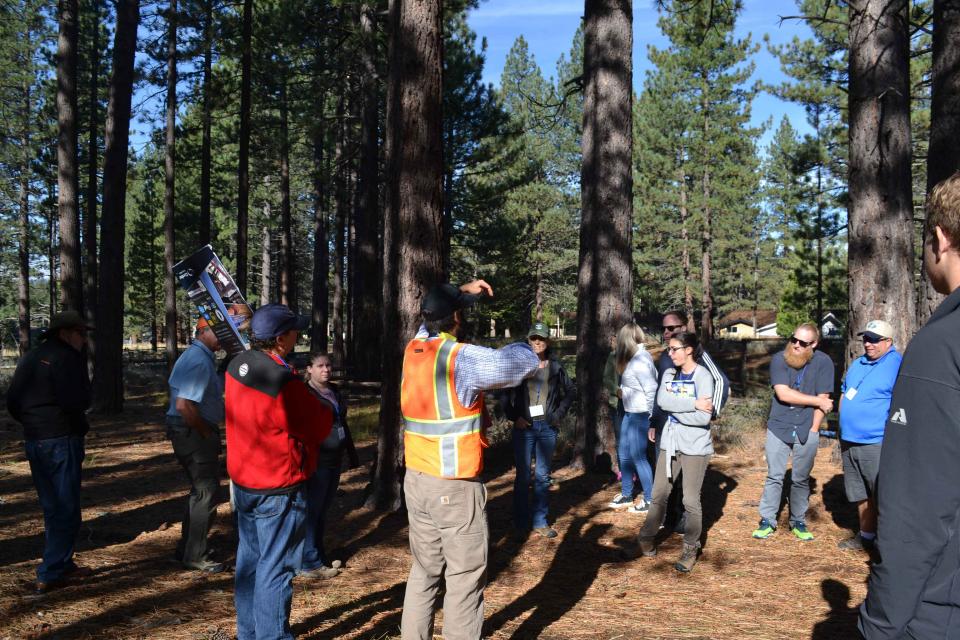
<point x="861" y="463"/>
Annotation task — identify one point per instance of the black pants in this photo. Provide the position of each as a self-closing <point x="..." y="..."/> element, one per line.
<point x="199" y="457"/>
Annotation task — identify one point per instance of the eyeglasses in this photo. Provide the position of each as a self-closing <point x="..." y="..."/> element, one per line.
<point x="802" y="343"/>
<point x="675" y="349"/>
<point x="872" y="340"/>
<point x="672" y="327"/>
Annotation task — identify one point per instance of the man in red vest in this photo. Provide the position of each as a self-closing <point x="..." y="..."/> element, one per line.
<point x="441" y="399"/>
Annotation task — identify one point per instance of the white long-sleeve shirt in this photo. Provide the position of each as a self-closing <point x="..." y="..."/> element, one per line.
<point x="638" y="383"/>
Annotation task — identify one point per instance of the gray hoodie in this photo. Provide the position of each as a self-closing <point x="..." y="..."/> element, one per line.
<point x="689" y="431"/>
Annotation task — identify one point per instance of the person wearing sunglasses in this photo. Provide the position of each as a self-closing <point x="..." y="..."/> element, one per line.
<point x="802" y="380"/>
<point x="685" y="396"/>
<point x="866" y="391"/>
<point x="913" y="592"/>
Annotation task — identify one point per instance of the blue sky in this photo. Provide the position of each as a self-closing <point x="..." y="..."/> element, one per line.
<point x="548" y="26"/>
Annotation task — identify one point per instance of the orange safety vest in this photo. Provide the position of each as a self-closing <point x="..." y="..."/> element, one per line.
<point x="441" y="437"/>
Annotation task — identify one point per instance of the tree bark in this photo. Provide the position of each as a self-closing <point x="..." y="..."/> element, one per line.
<point x="169" y="194"/>
<point x="706" y="248"/>
<point x="205" y="159"/>
<point x="943" y="156"/>
<point x="108" y="370"/>
<point x="68" y="185"/>
<point x="90" y="220"/>
<point x="367" y="320"/>
<point x="604" y="291"/>
<point x="881" y="254"/>
<point x="23" y="246"/>
<point x="685" y="241"/>
<point x="414" y="214"/>
<point x="243" y="165"/>
<point x="288" y="285"/>
<point x="51" y="216"/>
<point x="342" y="202"/>
<point x="265" y="251"/>
<point x="321" y="260"/>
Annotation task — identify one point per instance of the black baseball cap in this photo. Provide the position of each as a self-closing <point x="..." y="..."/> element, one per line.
<point x="272" y="320"/>
<point x="443" y="299"/>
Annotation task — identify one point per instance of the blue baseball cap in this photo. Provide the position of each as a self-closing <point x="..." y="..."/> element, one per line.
<point x="272" y="320"/>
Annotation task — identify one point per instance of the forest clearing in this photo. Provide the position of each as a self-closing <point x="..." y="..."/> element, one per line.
<point x="573" y="587"/>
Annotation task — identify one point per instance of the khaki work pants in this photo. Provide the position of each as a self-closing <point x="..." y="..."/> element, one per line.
<point x="449" y="539"/>
<point x="691" y="470"/>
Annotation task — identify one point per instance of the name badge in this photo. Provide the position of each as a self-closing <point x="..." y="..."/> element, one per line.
<point x="536" y="411"/>
<point x="850" y="394"/>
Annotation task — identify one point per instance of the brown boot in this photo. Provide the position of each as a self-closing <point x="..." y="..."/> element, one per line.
<point x="687" y="559"/>
<point x="646" y="547"/>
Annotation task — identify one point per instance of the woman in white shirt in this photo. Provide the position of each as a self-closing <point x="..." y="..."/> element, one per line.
<point x="638" y="388"/>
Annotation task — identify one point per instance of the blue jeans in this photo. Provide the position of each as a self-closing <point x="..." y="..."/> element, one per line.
<point x="55" y="467"/>
<point x="271" y="530"/>
<point x="542" y="438"/>
<point x="321" y="488"/>
<point x="632" y="451"/>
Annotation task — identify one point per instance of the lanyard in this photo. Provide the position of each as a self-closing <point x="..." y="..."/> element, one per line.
<point x="803" y="372"/>
<point x="871" y="369"/>
<point x="279" y="360"/>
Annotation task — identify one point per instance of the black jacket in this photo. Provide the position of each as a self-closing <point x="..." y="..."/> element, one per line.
<point x="50" y="392"/>
<point x="914" y="591"/>
<point x="515" y="402"/>
<point x="331" y="456"/>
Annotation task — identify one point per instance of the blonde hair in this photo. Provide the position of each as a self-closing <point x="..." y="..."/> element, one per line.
<point x="630" y="339"/>
<point x="943" y="208"/>
<point x="812" y="328"/>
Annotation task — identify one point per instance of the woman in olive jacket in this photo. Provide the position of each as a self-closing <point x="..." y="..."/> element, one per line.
<point x="536" y="407"/>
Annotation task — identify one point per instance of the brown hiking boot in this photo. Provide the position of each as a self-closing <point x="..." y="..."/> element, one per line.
<point x="687" y="559"/>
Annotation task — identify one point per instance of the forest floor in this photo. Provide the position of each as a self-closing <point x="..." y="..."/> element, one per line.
<point x="575" y="586"/>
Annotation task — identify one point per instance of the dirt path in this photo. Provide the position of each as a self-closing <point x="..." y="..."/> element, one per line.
<point x="572" y="587"/>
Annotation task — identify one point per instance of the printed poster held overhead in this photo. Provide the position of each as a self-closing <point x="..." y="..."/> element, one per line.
<point x="211" y="288"/>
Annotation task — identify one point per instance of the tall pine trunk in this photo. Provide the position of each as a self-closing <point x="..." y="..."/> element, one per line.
<point x="321" y="260"/>
<point x="943" y="156"/>
<point x="108" y="369"/>
<point x="169" y="194"/>
<point x="243" y="164"/>
<point x="90" y="219"/>
<point x="880" y="262"/>
<point x="604" y="279"/>
<point x="367" y="321"/>
<point x="68" y="186"/>
<point x="23" y="244"/>
<point x="266" y="248"/>
<point x="685" y="242"/>
<point x="342" y="202"/>
<point x="706" y="234"/>
<point x="288" y="285"/>
<point x="414" y="219"/>
<point x="205" y="116"/>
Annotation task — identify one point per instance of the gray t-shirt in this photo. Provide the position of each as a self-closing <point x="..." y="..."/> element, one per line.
<point x="788" y="421"/>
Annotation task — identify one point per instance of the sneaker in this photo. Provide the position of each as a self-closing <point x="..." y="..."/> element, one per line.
<point x="321" y="573"/>
<point x="799" y="529"/>
<point x="205" y="565"/>
<point x="764" y="530"/>
<point x="641" y="507"/>
<point x="687" y="559"/>
<point x="546" y="532"/>
<point x="646" y="548"/>
<point x="620" y="501"/>
<point x="857" y="543"/>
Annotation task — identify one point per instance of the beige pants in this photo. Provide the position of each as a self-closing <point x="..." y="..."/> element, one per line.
<point x="691" y="470"/>
<point x="449" y="539"/>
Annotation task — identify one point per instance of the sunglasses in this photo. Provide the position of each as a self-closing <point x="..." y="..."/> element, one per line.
<point x="802" y="343"/>
<point x="675" y="349"/>
<point x="872" y="340"/>
<point x="672" y="327"/>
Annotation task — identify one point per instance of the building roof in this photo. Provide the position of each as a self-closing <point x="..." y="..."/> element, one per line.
<point x="745" y="316"/>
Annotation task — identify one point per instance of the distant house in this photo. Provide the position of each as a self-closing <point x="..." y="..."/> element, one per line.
<point x="739" y="324"/>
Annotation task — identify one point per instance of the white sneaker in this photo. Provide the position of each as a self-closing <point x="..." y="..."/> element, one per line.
<point x="620" y="502"/>
<point x="639" y="507"/>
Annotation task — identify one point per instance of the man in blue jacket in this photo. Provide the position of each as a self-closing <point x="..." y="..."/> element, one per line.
<point x="864" y="406"/>
<point x="914" y="591"/>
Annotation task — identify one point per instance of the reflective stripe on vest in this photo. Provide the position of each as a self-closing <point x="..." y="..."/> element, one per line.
<point x="441" y="436"/>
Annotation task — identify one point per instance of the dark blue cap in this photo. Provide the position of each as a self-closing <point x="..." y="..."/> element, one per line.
<point x="443" y="299"/>
<point x="272" y="320"/>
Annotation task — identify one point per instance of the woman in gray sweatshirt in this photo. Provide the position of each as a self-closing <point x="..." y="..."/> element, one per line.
<point x="686" y="445"/>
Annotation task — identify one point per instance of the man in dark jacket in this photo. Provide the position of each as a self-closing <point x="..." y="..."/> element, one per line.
<point x="49" y="396"/>
<point x="914" y="591"/>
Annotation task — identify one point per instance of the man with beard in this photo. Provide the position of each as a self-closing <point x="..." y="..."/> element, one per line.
<point x="802" y="381"/>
